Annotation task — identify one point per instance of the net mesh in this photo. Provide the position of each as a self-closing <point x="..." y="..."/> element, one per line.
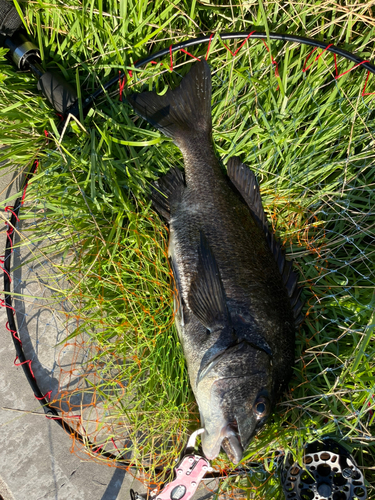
<point x="91" y="271"/>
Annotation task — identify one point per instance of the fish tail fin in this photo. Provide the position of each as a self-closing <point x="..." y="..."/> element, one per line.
<point x="182" y="112"/>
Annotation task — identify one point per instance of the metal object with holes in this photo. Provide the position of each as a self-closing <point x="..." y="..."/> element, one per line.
<point x="329" y="473"/>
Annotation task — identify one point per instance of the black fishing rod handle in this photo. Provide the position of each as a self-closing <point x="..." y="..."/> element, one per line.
<point x="61" y="95"/>
<point x="10" y="21"/>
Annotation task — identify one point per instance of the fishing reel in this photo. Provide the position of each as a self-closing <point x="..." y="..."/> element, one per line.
<point x="329" y="472"/>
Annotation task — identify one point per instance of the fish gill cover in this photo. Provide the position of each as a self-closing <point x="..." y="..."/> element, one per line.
<point x="90" y="257"/>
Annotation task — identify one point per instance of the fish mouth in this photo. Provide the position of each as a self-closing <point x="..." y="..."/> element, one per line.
<point x="229" y="424"/>
<point x="231" y="444"/>
<point x="229" y="439"/>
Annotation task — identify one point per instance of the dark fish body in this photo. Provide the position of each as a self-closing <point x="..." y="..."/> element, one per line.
<point x="237" y="298"/>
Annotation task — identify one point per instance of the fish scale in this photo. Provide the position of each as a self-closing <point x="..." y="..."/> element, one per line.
<point x="233" y="307"/>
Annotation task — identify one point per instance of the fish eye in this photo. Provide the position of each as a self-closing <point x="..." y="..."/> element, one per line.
<point x="261" y="407"/>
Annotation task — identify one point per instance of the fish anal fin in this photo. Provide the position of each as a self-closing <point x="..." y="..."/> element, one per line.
<point x="166" y="191"/>
<point x="206" y="296"/>
<point x="178" y="305"/>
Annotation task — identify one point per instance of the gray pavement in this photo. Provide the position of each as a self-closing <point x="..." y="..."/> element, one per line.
<point x="35" y="453"/>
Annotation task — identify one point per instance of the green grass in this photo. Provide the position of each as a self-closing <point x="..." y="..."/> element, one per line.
<point x="309" y="138"/>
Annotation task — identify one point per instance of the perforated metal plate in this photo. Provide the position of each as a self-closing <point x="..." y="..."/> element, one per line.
<point x="329" y="472"/>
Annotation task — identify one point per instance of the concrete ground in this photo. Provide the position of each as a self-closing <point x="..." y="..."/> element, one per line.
<point x="35" y="453"/>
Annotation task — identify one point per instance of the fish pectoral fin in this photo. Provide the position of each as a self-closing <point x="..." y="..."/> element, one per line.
<point x="244" y="180"/>
<point x="212" y="357"/>
<point x="166" y="191"/>
<point x="246" y="331"/>
<point x="258" y="342"/>
<point x="206" y="298"/>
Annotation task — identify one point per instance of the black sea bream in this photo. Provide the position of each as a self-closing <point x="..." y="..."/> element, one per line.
<point x="237" y="299"/>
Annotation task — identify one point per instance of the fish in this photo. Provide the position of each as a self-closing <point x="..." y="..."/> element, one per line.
<point x="237" y="300"/>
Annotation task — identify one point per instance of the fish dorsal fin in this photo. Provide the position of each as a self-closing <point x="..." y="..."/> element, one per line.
<point x="183" y="111"/>
<point x="166" y="191"/>
<point x="206" y="297"/>
<point x="245" y="182"/>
